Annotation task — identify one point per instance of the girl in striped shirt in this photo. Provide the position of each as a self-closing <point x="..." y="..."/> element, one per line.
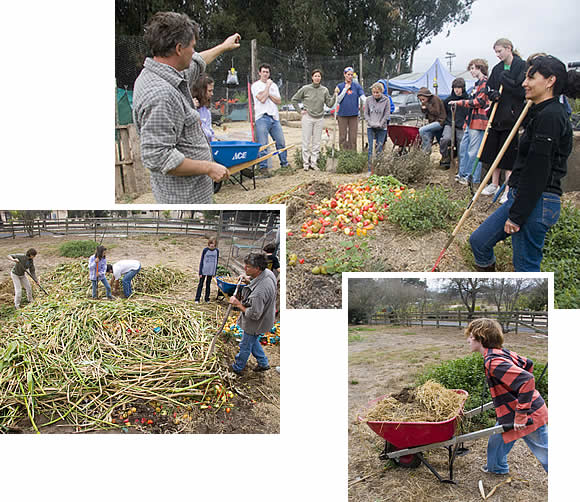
<point x="514" y="395"/>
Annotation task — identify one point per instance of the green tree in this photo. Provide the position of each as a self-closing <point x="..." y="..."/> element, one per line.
<point x="418" y="21"/>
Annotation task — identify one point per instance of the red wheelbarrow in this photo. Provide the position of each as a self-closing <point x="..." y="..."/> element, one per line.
<point x="405" y="442"/>
<point x="238" y="156"/>
<point x="404" y="136"/>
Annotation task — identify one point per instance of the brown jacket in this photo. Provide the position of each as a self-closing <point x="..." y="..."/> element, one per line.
<point x="435" y="110"/>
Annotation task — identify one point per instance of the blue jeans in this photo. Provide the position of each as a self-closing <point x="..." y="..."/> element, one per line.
<point x="527" y="244"/>
<point x="497" y="450"/>
<point x="267" y="125"/>
<point x="250" y="345"/>
<point x="374" y="133"/>
<point x="427" y="133"/>
<point x="126" y="282"/>
<point x="468" y="149"/>
<point x="105" y="283"/>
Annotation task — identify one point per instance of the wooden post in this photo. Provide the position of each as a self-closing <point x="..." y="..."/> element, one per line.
<point x="362" y="122"/>
<point x="254" y="59"/>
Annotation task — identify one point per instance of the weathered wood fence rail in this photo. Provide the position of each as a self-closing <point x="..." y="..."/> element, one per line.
<point x="95" y="227"/>
<point x="536" y="321"/>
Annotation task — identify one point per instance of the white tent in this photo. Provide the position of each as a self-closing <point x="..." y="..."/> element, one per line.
<point x="437" y="78"/>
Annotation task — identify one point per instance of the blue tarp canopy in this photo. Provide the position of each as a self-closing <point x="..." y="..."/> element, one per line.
<point x="412" y="82"/>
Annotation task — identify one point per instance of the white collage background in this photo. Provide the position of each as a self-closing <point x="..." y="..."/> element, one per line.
<point x="56" y="137"/>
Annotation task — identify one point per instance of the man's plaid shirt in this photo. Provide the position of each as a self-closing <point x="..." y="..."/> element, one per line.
<point x="170" y="131"/>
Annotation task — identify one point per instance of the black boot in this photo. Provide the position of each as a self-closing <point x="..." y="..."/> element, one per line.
<point x="489" y="268"/>
<point x="445" y="162"/>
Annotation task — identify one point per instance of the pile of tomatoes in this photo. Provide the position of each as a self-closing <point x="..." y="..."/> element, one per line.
<point x="356" y="209"/>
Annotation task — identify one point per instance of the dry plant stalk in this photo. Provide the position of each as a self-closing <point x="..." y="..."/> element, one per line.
<point x="431" y="402"/>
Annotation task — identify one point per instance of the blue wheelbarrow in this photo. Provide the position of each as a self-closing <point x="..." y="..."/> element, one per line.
<point x="227" y="288"/>
<point x="238" y="156"/>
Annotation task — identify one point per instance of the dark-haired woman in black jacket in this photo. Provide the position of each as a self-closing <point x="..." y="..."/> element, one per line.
<point x="533" y="203"/>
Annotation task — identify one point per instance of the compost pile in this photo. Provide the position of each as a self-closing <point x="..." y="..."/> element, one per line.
<point x="431" y="402"/>
<point x="73" y="358"/>
<point x="73" y="278"/>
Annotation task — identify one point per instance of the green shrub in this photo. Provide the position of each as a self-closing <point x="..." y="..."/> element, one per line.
<point x="320" y="162"/>
<point x="562" y="256"/>
<point x="77" y="249"/>
<point x="222" y="271"/>
<point x="411" y="167"/>
<point x="467" y="373"/>
<point x="425" y="210"/>
<point x="503" y="256"/>
<point x="351" y="162"/>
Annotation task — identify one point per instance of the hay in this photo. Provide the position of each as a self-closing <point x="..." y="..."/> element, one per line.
<point x="431" y="402"/>
<point x="73" y="279"/>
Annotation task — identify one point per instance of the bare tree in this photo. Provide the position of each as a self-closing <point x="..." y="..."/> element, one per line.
<point x="468" y="290"/>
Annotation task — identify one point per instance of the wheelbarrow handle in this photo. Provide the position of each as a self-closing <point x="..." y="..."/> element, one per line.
<point x="509" y="427"/>
<point x="470" y="436"/>
<point x="264" y="147"/>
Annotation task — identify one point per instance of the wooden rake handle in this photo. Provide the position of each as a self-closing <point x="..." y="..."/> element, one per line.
<point x="228" y="311"/>
<point x="482" y="185"/>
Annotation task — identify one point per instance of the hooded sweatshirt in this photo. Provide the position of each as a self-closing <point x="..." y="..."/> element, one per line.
<point x="377" y="112"/>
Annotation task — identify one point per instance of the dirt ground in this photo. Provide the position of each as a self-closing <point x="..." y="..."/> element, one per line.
<point x="384" y="360"/>
<point x="257" y="395"/>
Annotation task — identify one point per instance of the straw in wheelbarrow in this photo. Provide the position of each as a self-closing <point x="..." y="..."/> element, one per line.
<point x="431" y="402"/>
<point x="482" y="185"/>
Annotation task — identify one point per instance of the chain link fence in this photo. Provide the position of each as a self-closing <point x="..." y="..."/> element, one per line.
<point x="289" y="71"/>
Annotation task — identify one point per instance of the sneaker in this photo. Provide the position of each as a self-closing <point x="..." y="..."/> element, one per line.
<point x="235" y="371"/>
<point x="489" y="189"/>
<point x="306" y="168"/>
<point x="265" y="173"/>
<point x="504" y="197"/>
<point x="262" y="368"/>
<point x="457" y="177"/>
<point x="483" y="468"/>
<point x="462" y="181"/>
<point x="196" y="301"/>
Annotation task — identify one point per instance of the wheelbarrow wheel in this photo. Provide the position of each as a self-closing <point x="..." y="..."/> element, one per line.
<point x="406" y="461"/>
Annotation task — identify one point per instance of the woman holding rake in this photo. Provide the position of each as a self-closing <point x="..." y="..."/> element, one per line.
<point x="533" y="202"/>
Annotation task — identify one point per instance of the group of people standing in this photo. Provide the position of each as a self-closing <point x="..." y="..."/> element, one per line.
<point x="533" y="164"/>
<point x="122" y="273"/>
<point x="256" y="302"/>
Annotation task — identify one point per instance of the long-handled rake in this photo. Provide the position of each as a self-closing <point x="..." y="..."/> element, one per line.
<point x="496" y="162"/>
<point x="228" y="311"/>
<point x="480" y="151"/>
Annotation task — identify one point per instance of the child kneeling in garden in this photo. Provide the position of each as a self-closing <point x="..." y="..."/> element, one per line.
<point x="514" y="395"/>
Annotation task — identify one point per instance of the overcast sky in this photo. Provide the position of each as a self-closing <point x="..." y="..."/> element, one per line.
<point x="531" y="25"/>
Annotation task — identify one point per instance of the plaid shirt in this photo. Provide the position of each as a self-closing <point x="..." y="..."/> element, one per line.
<point x="478" y="104"/>
<point x="170" y="131"/>
<point x="513" y="391"/>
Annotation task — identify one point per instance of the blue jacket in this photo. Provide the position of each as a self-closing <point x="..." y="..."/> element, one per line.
<point x="349" y="102"/>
